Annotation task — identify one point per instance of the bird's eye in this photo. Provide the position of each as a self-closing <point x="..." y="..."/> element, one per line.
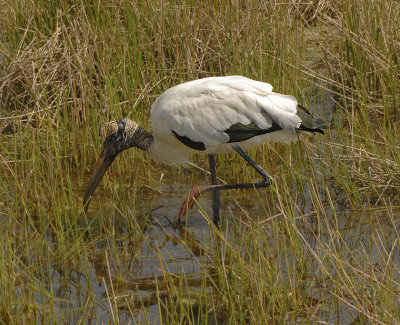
<point x="113" y="136"/>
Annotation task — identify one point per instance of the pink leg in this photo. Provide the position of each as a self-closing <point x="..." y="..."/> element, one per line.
<point x="191" y="199"/>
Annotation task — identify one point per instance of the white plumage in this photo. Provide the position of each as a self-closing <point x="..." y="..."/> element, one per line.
<point x="203" y="109"/>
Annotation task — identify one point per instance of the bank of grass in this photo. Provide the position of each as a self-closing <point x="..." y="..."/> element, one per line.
<point x="320" y="245"/>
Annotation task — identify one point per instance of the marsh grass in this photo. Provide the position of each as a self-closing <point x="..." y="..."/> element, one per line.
<point x="321" y="245"/>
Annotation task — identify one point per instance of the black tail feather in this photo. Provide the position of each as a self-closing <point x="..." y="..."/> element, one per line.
<point x="310" y="123"/>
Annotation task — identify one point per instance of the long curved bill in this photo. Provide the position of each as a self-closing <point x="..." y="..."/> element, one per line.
<point x="102" y="164"/>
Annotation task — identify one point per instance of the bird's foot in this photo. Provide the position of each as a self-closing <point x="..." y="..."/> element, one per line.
<point x="191" y="199"/>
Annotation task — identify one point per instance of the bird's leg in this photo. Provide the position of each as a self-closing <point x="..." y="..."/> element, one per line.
<point x="197" y="190"/>
<point x="216" y="193"/>
<point x="267" y="180"/>
<point x="191" y="199"/>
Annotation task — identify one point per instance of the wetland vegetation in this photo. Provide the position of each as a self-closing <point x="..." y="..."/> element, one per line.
<point x="320" y="246"/>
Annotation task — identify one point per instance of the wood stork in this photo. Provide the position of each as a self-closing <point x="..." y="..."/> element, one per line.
<point x="214" y="115"/>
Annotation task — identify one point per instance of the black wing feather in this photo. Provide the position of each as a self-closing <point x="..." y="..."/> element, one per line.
<point x="240" y="132"/>
<point x="196" y="145"/>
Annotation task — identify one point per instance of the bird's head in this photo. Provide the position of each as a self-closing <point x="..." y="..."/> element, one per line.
<point x="120" y="135"/>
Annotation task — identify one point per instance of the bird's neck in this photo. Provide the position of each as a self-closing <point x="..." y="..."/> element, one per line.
<point x="142" y="139"/>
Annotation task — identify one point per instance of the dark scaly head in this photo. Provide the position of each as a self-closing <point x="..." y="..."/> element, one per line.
<point x="120" y="135"/>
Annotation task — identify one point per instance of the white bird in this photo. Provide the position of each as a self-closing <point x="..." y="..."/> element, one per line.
<point x="214" y="115"/>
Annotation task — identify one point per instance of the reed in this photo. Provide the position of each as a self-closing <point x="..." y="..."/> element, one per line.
<point x="321" y="245"/>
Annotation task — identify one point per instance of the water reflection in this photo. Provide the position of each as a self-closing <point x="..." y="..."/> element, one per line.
<point x="138" y="250"/>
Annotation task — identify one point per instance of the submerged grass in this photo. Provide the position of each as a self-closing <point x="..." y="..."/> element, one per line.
<point x="321" y="245"/>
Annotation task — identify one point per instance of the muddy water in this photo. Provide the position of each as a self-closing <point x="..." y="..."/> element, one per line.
<point x="166" y="247"/>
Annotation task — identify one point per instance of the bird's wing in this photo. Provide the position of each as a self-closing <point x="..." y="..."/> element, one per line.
<point x="204" y="109"/>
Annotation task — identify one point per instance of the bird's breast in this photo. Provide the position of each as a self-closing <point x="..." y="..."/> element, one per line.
<point x="168" y="150"/>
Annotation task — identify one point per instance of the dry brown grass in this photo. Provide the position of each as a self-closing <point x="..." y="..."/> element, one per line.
<point x="321" y="242"/>
<point x="47" y="75"/>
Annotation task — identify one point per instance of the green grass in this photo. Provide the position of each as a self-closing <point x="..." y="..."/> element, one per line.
<point x="320" y="245"/>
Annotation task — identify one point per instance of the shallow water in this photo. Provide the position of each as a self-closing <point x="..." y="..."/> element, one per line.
<point x="137" y="269"/>
<point x="183" y="250"/>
